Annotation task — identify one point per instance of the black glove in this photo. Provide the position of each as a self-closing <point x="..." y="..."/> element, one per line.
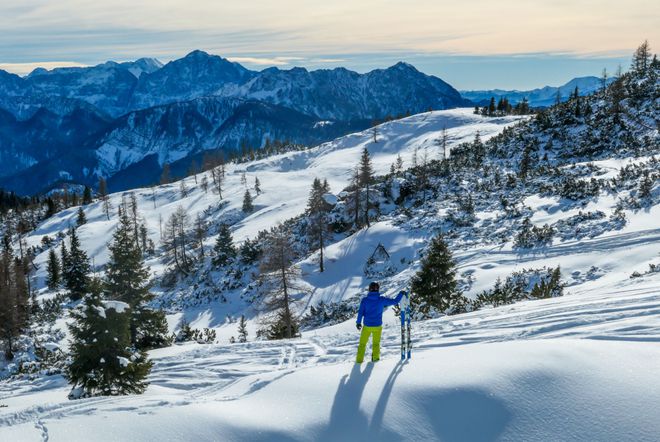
<point x="359" y="326"/>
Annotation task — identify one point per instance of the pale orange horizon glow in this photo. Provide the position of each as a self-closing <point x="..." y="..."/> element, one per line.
<point x="362" y="34"/>
<point x="474" y="27"/>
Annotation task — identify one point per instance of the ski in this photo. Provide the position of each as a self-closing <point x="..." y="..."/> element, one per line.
<point x="403" y="331"/>
<point x="408" y="340"/>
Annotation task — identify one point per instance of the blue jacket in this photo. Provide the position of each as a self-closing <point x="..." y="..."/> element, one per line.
<point x="372" y="306"/>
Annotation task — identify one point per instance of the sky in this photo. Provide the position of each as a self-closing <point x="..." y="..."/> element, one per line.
<point x="472" y="44"/>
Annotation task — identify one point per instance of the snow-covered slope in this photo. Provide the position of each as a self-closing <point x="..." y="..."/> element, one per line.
<point x="573" y="368"/>
<point x="285" y="180"/>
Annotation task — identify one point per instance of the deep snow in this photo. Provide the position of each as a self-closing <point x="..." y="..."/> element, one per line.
<point x="580" y="367"/>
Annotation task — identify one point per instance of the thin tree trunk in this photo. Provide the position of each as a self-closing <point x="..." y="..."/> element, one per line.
<point x="321" y="243"/>
<point x="366" y="208"/>
<point x="357" y="208"/>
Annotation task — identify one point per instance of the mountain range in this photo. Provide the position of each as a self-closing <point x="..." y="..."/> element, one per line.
<point x="539" y="97"/>
<point x="77" y="124"/>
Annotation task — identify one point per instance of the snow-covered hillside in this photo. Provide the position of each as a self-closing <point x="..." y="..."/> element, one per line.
<point x="601" y="256"/>
<point x="285" y="181"/>
<point x="575" y="187"/>
<point x="581" y="367"/>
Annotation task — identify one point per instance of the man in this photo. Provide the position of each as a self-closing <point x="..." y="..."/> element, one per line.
<point x="371" y="309"/>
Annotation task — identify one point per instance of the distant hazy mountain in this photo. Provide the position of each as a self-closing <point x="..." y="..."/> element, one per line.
<point x="196" y="75"/>
<point x="118" y="88"/>
<point x="76" y="124"/>
<point x="540" y="97"/>
<point x="344" y="95"/>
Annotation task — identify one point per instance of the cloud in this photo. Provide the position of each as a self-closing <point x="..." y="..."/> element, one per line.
<point x="265" y="61"/>
<point x="361" y="35"/>
<point x="26" y="68"/>
<point x="81" y="29"/>
<point x="328" y="60"/>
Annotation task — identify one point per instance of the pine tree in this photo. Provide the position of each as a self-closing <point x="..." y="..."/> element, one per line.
<point x="242" y="330"/>
<point x="81" y="219"/>
<point x="64" y="260"/>
<point x="76" y="273"/>
<point x="434" y="285"/>
<point x="87" y="196"/>
<point x="645" y="186"/>
<point x="247" y="202"/>
<point x="53" y="270"/>
<point x="491" y="107"/>
<point x="525" y="162"/>
<point x="250" y="251"/>
<point x="257" y="186"/>
<point x="641" y="60"/>
<point x="51" y="207"/>
<point x="284" y="326"/>
<point x="366" y="180"/>
<point x="500" y="106"/>
<point x="617" y="93"/>
<point x="103" y="362"/>
<point x="317" y="210"/>
<point x="224" y="251"/>
<point x="127" y="280"/>
<point x="478" y="149"/>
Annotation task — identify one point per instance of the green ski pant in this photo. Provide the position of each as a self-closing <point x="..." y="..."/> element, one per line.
<point x="375" y="345"/>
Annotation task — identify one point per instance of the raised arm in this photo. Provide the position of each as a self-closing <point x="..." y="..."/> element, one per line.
<point x="394" y="301"/>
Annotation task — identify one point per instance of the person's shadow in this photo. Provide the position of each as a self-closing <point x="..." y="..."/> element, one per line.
<point x="347" y="422"/>
<point x="381" y="405"/>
